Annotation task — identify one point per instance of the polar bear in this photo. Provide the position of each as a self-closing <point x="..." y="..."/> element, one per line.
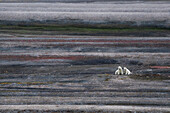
<point x="119" y="71"/>
<point x="126" y="71"/>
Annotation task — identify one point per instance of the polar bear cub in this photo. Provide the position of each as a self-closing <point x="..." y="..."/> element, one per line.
<point x="126" y="71"/>
<point x="119" y="71"/>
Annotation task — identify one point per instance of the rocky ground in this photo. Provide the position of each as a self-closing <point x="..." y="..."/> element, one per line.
<point x="106" y="14"/>
<point x="78" y="1"/>
<point x="79" y="70"/>
<point x="61" y="57"/>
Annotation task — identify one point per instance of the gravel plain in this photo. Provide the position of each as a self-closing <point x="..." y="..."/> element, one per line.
<point x="109" y="13"/>
<point x="61" y="73"/>
<point x="49" y="72"/>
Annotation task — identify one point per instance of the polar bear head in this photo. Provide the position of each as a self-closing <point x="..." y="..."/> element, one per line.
<point x="124" y="68"/>
<point x="119" y="67"/>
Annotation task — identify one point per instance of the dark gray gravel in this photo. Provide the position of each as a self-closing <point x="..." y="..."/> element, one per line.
<point x="111" y="13"/>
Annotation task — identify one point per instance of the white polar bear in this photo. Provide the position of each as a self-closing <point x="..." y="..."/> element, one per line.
<point x="126" y="71"/>
<point x="119" y="71"/>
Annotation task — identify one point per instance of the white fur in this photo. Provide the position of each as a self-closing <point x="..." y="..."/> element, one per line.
<point x="119" y="71"/>
<point x="126" y="71"/>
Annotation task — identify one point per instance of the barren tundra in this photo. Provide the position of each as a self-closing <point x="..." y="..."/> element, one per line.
<point x="78" y="72"/>
<point x="108" y="14"/>
<point x="61" y="57"/>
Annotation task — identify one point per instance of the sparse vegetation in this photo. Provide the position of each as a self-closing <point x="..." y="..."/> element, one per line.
<point x="98" y="30"/>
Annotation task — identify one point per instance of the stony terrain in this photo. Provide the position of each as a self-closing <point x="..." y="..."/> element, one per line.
<point x="79" y="70"/>
<point x="108" y="14"/>
<point x="61" y="57"/>
<point x="78" y="1"/>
